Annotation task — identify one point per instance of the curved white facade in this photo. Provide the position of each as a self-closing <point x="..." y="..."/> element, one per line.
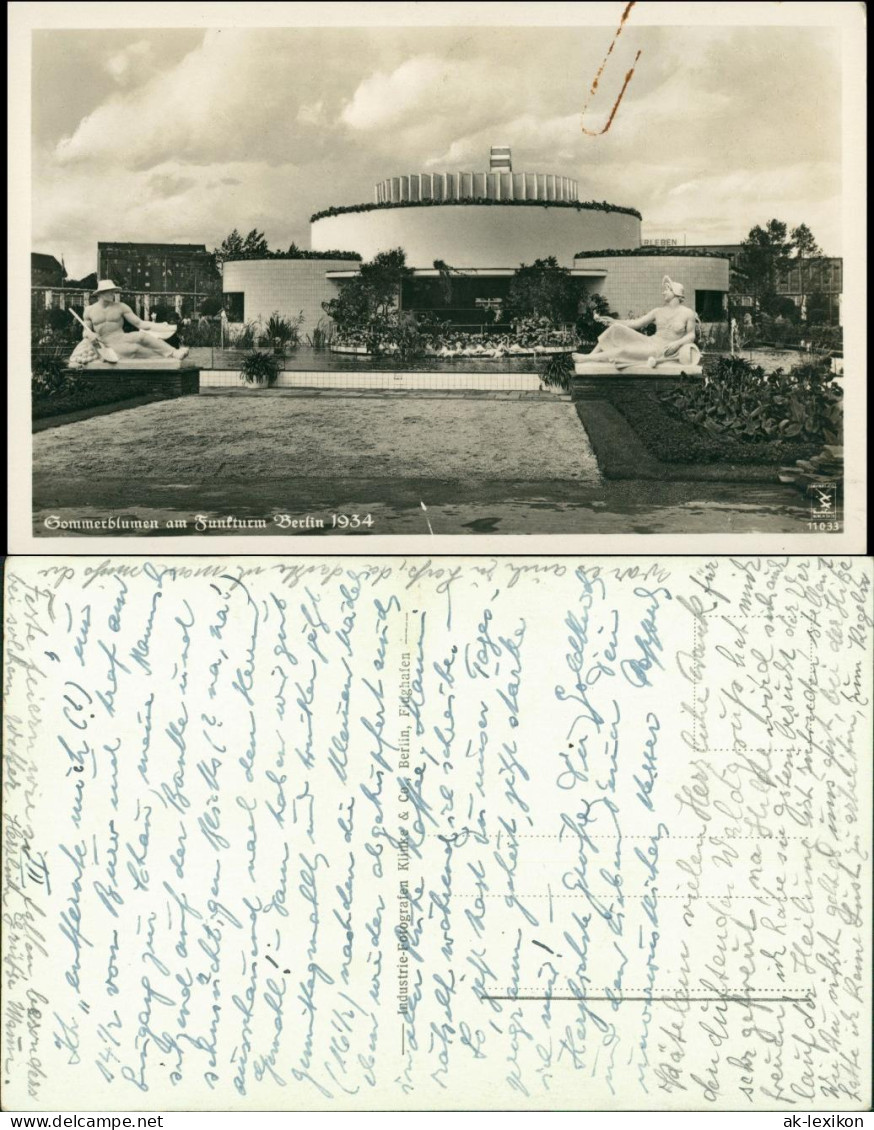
<point x="477" y="235"/>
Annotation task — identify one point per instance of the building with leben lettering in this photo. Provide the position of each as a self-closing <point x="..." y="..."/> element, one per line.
<point x="480" y="227"/>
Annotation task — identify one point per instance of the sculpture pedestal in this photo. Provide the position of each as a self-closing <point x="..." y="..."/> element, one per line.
<point x="160" y="364"/>
<point x="665" y="369"/>
<point x="168" y="378"/>
<point x="594" y="385"/>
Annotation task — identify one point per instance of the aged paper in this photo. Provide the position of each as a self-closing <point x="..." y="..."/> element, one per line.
<point x="548" y="833"/>
<point x="97" y="503"/>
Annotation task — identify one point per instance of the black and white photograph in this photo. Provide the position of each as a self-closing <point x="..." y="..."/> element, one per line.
<point x="439" y="271"/>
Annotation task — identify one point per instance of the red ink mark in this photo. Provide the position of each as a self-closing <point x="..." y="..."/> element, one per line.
<point x="600" y="71"/>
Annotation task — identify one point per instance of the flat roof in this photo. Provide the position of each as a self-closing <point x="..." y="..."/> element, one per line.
<point x="477" y="272"/>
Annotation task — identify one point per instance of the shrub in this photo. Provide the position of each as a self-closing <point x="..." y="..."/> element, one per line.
<point x="260" y="368"/>
<point x="740" y="401"/>
<point x="55" y="326"/>
<point x="210" y="305"/>
<point x="822" y="338"/>
<point x="49" y="374"/>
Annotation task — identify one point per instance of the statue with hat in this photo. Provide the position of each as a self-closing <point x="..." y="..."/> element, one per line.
<point x="671" y="349"/>
<point x="104" y="340"/>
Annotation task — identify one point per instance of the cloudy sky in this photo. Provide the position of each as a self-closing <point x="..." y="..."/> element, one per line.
<point x="181" y="135"/>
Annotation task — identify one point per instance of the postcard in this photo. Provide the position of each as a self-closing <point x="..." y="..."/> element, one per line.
<point x="444" y="277"/>
<point x="437" y="833"/>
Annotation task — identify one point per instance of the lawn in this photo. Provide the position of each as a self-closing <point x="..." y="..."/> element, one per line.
<point x="268" y="435"/>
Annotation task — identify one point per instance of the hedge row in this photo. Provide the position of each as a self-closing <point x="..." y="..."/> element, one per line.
<point x="579" y="205"/>
<point x="299" y="254"/>
<point x="689" y="252"/>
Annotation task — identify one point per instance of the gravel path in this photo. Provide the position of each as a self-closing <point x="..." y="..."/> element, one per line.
<point x="239" y="439"/>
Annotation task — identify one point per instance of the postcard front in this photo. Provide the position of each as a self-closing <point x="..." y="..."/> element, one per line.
<point x="429" y="834"/>
<point x="614" y="288"/>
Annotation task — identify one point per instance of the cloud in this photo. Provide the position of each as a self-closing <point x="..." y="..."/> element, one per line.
<point x="384" y="99"/>
<point x="718" y="129"/>
<point x="164" y="185"/>
<point x="235" y="96"/>
<point x="131" y="63"/>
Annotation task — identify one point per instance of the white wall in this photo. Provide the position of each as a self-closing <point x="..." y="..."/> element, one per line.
<point x="634" y="282"/>
<point x="286" y="285"/>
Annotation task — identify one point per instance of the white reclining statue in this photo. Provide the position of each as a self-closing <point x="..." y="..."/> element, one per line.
<point x="671" y="350"/>
<point x="105" y="342"/>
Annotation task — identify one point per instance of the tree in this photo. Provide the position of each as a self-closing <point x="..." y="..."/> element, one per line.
<point x="383" y="277"/>
<point x="235" y="246"/>
<point x="806" y="248"/>
<point x="543" y="290"/>
<point x="818" y="307"/>
<point x="366" y="301"/>
<point x="764" y="256"/>
<point x="445" y="274"/>
<point x="588" y="329"/>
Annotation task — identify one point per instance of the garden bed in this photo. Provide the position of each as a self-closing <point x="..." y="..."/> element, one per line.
<point x="90" y="393"/>
<point x="76" y="395"/>
<point x="634" y="436"/>
<point x="671" y="440"/>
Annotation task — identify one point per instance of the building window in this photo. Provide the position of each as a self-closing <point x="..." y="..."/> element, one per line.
<point x="233" y="304"/>
<point x="708" y="305"/>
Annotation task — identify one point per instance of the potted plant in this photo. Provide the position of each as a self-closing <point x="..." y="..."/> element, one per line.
<point x="259" y="368"/>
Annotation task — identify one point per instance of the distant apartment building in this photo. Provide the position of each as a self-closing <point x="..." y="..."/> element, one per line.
<point x="164" y="267"/>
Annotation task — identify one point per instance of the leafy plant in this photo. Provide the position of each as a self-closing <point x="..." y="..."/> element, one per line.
<point x="558" y="371"/>
<point x="245" y="337"/>
<point x="322" y="335"/>
<point x="741" y="401"/>
<point x="281" y="332"/>
<point x="201" y="332"/>
<point x="673" y="440"/>
<point x="49" y="373"/>
<point x="260" y="368"/>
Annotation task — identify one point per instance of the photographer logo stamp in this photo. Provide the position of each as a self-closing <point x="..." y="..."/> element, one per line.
<point x="823" y="501"/>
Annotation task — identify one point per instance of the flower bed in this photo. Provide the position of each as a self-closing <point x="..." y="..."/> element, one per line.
<point x="672" y="440"/>
<point x="738" y="414"/>
<point x="84" y="393"/>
